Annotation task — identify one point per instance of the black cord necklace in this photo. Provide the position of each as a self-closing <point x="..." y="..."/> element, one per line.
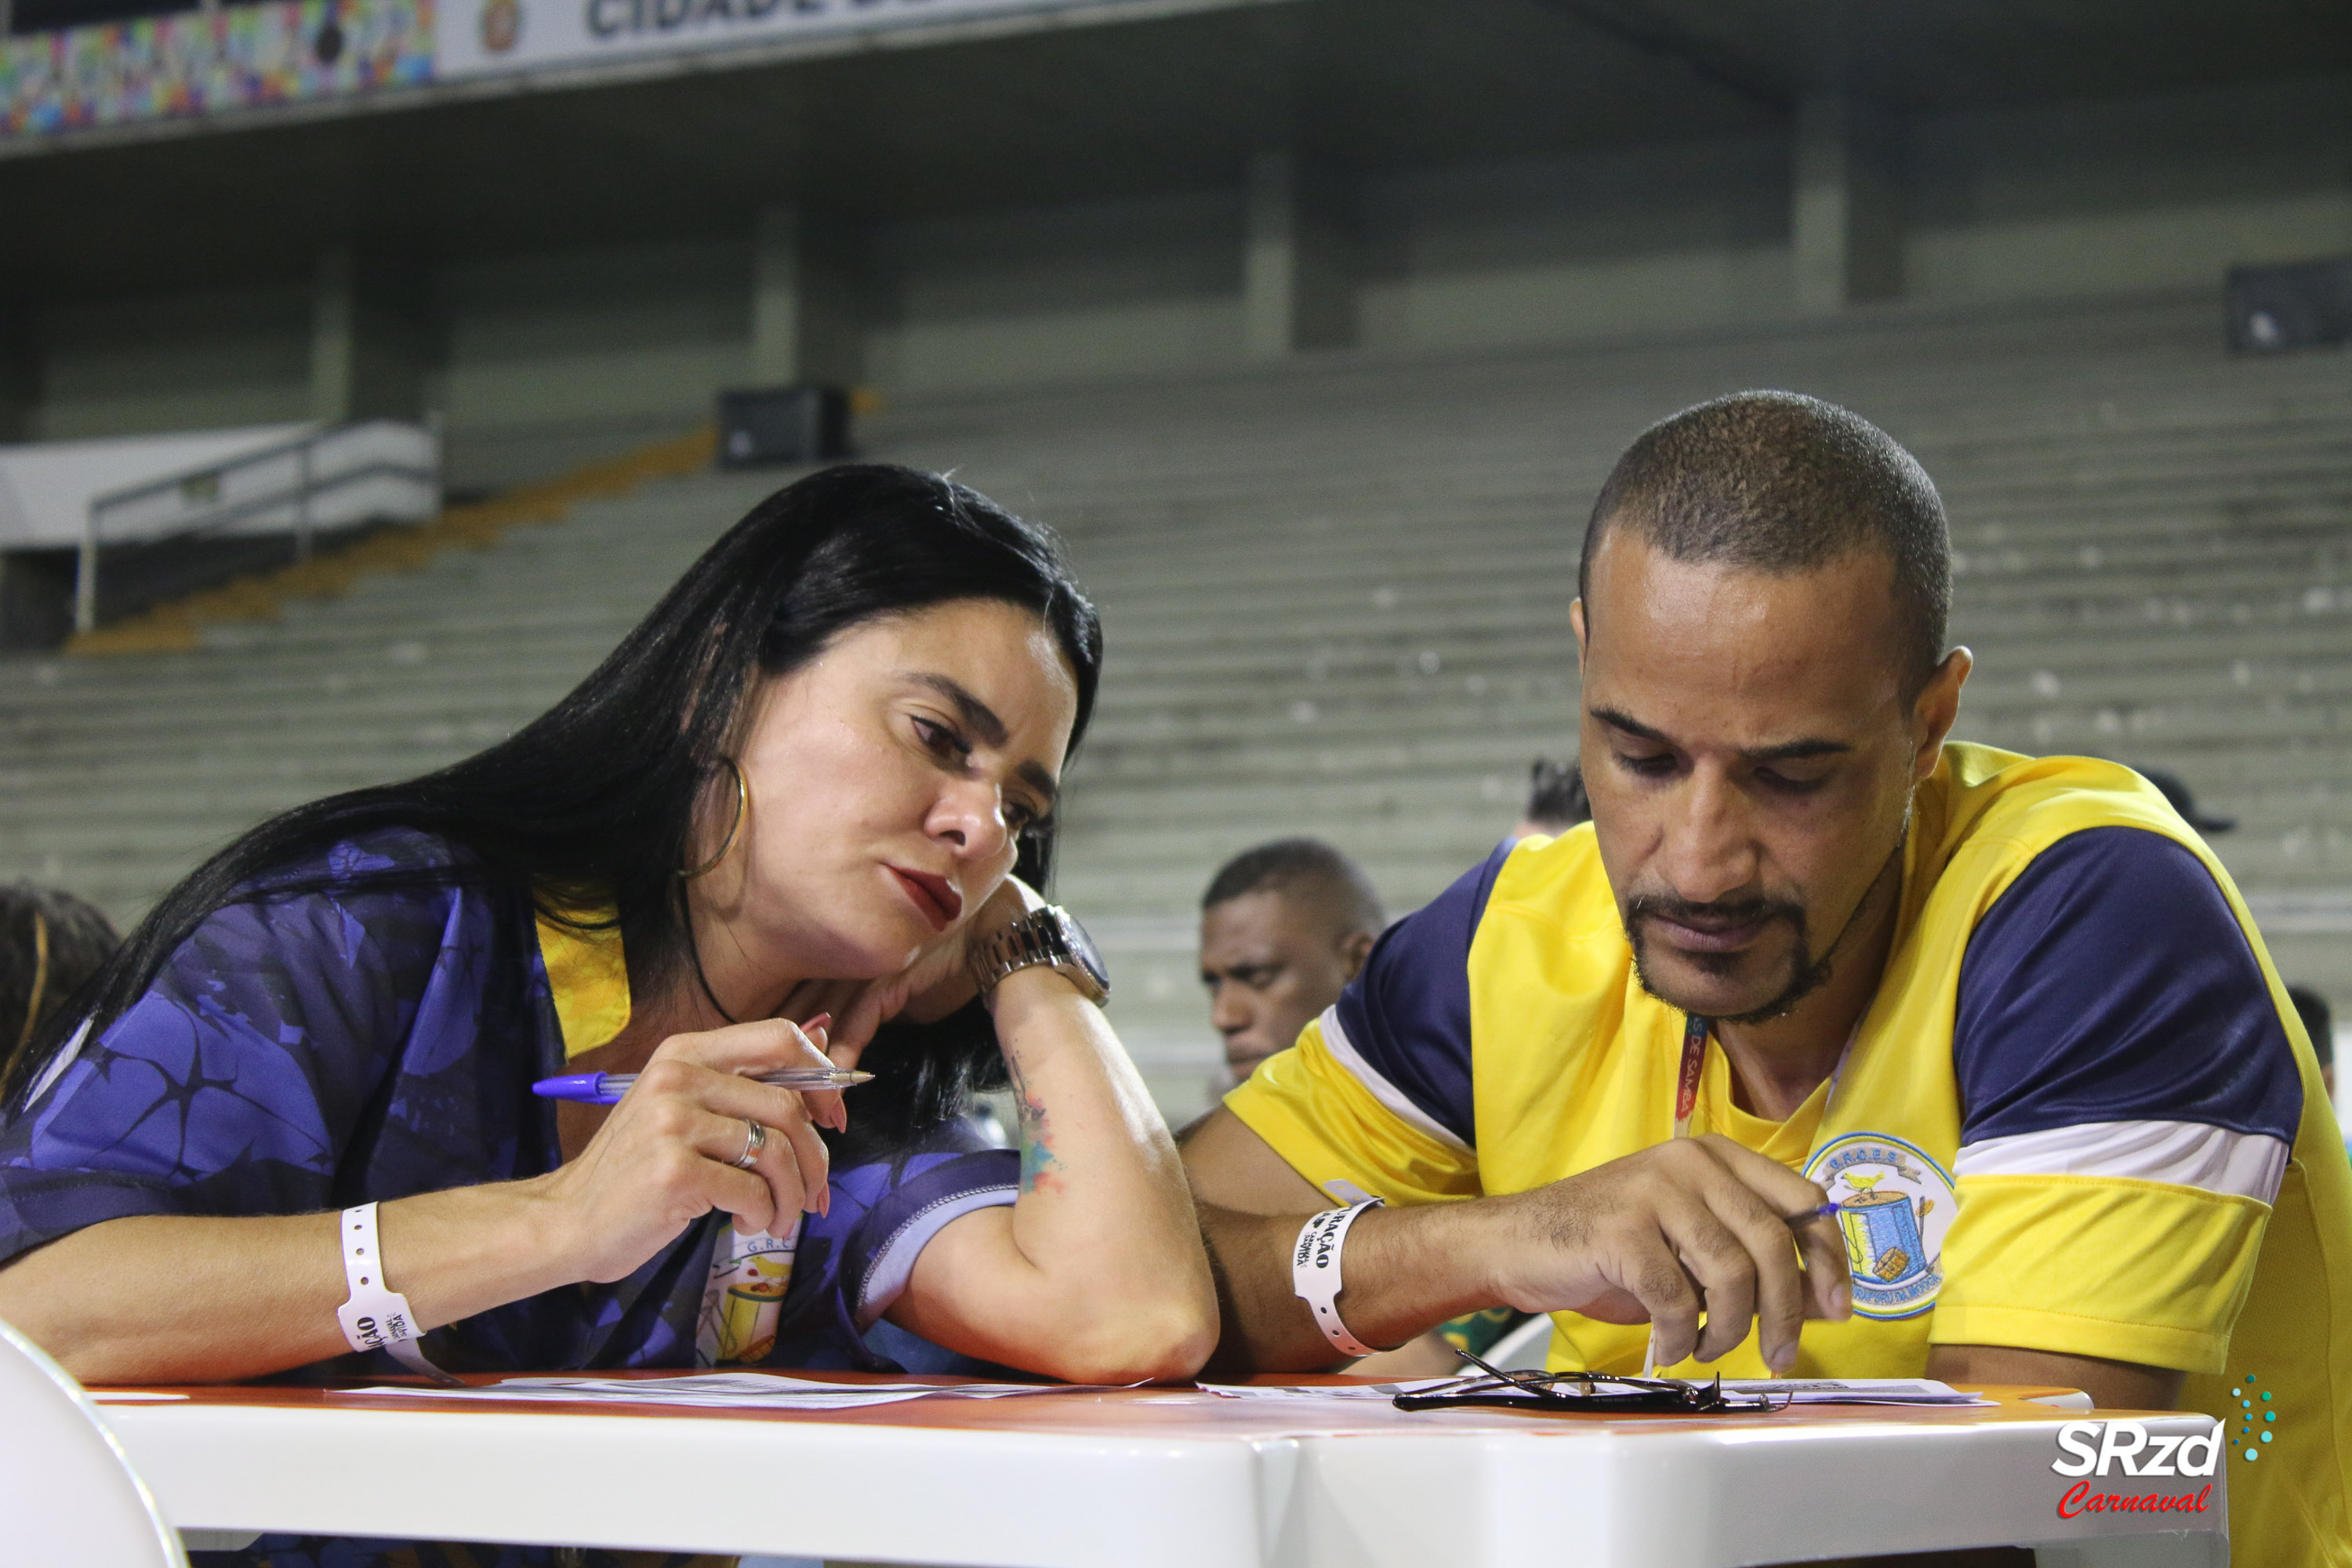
<point x="694" y="953"/>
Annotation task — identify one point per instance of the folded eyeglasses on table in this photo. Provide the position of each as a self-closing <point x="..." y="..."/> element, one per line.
<point x="1590" y="1391"/>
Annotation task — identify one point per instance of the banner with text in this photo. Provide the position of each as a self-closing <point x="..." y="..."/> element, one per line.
<point x="192" y="63"/>
<point x="483" y="38"/>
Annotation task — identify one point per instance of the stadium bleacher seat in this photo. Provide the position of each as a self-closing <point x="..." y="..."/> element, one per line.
<point x="1336" y="595"/>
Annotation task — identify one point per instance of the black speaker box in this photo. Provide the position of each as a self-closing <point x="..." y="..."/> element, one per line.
<point x="761" y="425"/>
<point x="2303" y="305"/>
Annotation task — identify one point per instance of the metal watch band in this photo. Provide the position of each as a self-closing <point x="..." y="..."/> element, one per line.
<point x="1034" y="939"/>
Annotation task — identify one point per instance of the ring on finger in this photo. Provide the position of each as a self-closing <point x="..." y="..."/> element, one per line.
<point x="755" y="1140"/>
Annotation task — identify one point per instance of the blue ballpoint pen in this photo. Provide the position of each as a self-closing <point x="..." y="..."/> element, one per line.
<point x="1802" y="1217"/>
<point x="606" y="1088"/>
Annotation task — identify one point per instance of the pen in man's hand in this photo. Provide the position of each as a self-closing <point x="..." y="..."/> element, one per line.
<point x="1802" y="1217"/>
<point x="606" y="1088"/>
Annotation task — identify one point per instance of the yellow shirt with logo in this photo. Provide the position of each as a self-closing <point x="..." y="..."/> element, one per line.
<point x="2090" y="1124"/>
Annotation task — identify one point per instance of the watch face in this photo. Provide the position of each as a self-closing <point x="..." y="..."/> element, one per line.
<point x="1082" y="948"/>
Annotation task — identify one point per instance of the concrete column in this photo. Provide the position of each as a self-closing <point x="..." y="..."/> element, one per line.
<point x="334" y="348"/>
<point x="1846" y="221"/>
<point x="19" y="378"/>
<point x="1298" y="257"/>
<point x="804" y="315"/>
<point x="368" y="349"/>
<point x="35" y="595"/>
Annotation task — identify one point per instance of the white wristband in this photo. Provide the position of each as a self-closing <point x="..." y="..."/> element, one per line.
<point x="1315" y="1273"/>
<point x="376" y="1317"/>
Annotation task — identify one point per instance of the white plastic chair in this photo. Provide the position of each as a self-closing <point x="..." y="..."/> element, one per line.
<point x="1523" y="1349"/>
<point x="66" y="1492"/>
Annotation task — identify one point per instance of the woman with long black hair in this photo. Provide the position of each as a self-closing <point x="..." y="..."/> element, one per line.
<point x="787" y="809"/>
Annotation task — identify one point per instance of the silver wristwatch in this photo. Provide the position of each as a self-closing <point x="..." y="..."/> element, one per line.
<point x="1047" y="936"/>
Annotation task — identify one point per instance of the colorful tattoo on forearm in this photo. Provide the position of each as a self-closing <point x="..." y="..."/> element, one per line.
<point x="1039" y="1167"/>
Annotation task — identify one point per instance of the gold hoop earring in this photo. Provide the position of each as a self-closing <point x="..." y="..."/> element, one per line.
<point x="40" y="979"/>
<point x="743" y="809"/>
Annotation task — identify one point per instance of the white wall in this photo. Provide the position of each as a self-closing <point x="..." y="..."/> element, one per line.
<point x="1682" y="234"/>
<point x="558" y="359"/>
<point x="553" y="358"/>
<point x="1124" y="288"/>
<point x="197" y="361"/>
<point x="2047" y="202"/>
<point x="2014" y="205"/>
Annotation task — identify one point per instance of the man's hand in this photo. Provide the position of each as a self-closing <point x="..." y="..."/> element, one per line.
<point x="1689" y="1230"/>
<point x="1690" y="1235"/>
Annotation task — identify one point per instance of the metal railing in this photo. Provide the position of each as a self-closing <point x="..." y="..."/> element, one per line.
<point x="218" y="496"/>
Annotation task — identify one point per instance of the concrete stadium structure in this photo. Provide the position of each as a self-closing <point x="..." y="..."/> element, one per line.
<point x="1336" y="600"/>
<point x="556" y="265"/>
<point x="1313" y="324"/>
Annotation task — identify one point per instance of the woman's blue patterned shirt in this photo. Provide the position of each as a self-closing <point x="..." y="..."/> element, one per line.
<point x="366" y="1027"/>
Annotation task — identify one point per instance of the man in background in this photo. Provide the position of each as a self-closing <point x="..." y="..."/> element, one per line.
<point x="1556" y="800"/>
<point x="1284" y="928"/>
<point x="2178" y="795"/>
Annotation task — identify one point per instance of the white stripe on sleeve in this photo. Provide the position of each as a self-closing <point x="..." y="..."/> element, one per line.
<point x="1335" y="1040"/>
<point x="2183" y="1154"/>
<point x="58" y="1063"/>
<point x="894" y="1263"/>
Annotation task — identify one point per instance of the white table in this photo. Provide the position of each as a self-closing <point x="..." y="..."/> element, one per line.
<point x="1154" y="1479"/>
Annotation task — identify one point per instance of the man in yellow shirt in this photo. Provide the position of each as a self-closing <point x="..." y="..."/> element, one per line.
<point x="2008" y="1014"/>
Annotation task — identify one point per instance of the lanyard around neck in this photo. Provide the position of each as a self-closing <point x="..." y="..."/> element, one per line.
<point x="1695" y="1033"/>
<point x="1694" y="1030"/>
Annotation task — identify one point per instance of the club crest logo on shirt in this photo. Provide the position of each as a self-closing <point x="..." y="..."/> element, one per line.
<point x="1897" y="1203"/>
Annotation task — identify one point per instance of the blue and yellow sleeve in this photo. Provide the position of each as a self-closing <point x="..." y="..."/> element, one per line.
<point x="1329" y="1128"/>
<point x="2131" y="1096"/>
<point x="1375" y="1098"/>
<point x="2140" y="1271"/>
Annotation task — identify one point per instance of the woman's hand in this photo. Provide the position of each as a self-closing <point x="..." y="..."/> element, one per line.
<point x="666" y="1155"/>
<point x="935" y="984"/>
<point x="256" y="1294"/>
